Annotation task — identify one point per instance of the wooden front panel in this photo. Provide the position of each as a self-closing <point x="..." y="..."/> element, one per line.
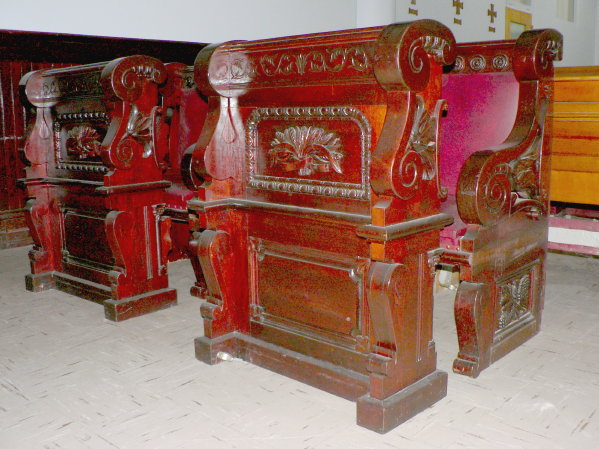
<point x="80" y="227"/>
<point x="307" y="290"/>
<point x="575" y="139"/>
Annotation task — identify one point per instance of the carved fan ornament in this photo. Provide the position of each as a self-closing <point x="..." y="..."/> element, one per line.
<point x="84" y="142"/>
<point x="515" y="297"/>
<point x="306" y="149"/>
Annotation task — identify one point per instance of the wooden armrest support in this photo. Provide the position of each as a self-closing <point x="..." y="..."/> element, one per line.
<point x="498" y="182"/>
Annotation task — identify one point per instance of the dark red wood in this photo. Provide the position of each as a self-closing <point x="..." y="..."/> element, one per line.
<point x="97" y="151"/>
<point x="22" y="52"/>
<point x="318" y="211"/>
<point x="495" y="136"/>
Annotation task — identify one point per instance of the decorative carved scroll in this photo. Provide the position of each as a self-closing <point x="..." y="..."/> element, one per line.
<point x="402" y="164"/>
<point x="534" y="53"/>
<point x="403" y="52"/>
<point x="306" y="149"/>
<point x="124" y="78"/>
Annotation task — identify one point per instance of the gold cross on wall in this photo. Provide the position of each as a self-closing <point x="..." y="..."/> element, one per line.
<point x="413" y="11"/>
<point x="458" y="5"/>
<point x="492" y="13"/>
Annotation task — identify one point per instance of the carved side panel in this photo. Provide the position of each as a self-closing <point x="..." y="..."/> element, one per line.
<point x="310" y="150"/>
<point x="515" y="299"/>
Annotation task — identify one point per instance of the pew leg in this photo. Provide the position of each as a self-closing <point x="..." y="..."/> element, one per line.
<point x="473" y="317"/>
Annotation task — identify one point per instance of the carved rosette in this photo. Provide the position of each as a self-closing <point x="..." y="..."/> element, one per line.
<point x="306" y="149"/>
<point x="479" y="63"/>
<point x="514" y="300"/>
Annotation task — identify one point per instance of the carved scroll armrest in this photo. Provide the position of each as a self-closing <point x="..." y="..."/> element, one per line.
<point x="402" y="67"/>
<point x="138" y="126"/>
<point x="498" y="182"/>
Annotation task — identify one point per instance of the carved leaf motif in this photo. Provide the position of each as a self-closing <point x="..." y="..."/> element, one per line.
<point x="307" y="149"/>
<point x="83" y="141"/>
<point x="140" y="128"/>
<point x="515" y="297"/>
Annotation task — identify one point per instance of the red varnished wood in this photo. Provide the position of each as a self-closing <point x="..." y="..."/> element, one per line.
<point x="22" y="52"/>
<point x="318" y="210"/>
<point x="97" y="149"/>
<point x="496" y="134"/>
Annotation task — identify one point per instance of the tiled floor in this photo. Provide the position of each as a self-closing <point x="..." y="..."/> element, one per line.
<point x="70" y="379"/>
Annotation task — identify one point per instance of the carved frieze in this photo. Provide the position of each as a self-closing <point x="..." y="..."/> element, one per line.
<point x="303" y="151"/>
<point x="329" y="60"/>
<point x="87" y="84"/>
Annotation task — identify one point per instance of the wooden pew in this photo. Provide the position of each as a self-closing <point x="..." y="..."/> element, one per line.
<point x="24" y="51"/>
<point x="97" y="153"/>
<point x="496" y="138"/>
<point x="575" y="161"/>
<point x="317" y="213"/>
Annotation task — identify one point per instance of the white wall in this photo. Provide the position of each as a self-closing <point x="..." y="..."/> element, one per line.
<point x="183" y="20"/>
<point x="475" y="20"/>
<point x="581" y="37"/>
<point x="221" y="20"/>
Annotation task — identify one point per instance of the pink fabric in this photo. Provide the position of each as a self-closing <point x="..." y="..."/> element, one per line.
<point x="481" y="112"/>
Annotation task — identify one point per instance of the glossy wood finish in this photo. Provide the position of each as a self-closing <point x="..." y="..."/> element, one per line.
<point x="497" y="137"/>
<point x="318" y="210"/>
<point x="22" y="52"/>
<point x="96" y="153"/>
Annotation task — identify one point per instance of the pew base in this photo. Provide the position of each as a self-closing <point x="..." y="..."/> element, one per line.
<point x="378" y="415"/>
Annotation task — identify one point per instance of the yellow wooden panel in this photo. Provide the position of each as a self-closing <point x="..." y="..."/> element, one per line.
<point x="576" y="107"/>
<point x="574" y="163"/>
<point x="576" y="91"/>
<point x="569" y="146"/>
<point x="575" y="187"/>
<point x="580" y="129"/>
<point x="581" y="72"/>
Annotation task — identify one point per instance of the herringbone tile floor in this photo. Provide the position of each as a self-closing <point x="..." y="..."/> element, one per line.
<point x="71" y="379"/>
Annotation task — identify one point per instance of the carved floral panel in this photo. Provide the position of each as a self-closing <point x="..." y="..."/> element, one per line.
<point x="312" y="150"/>
<point x="515" y="297"/>
<point x="78" y="140"/>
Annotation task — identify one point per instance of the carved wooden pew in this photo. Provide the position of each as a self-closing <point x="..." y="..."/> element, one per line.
<point x="317" y="211"/>
<point x="95" y="181"/>
<point x="495" y="137"/>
